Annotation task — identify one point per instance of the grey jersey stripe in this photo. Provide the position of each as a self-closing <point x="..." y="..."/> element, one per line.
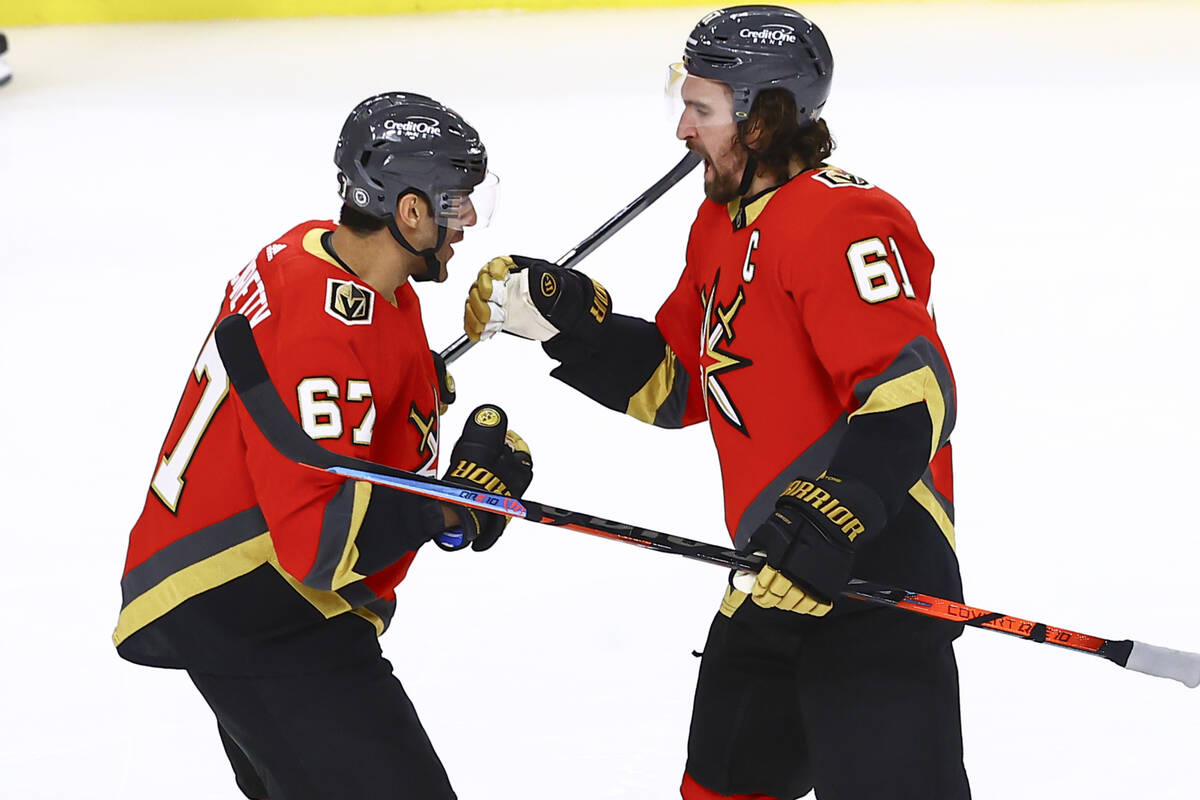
<point x="335" y="532"/>
<point x="670" y="413"/>
<point x="191" y="549"/>
<point x="812" y="462"/>
<point x="946" y="505"/>
<point x="357" y="595"/>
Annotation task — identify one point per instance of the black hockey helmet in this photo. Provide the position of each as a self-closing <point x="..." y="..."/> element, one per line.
<point x="753" y="48"/>
<point x="396" y="142"/>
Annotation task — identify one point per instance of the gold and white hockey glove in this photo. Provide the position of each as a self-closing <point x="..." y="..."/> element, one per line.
<point x="535" y="299"/>
<point x="499" y="300"/>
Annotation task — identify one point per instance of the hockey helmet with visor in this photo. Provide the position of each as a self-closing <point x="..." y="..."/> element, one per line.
<point x="752" y="49"/>
<point x="399" y="143"/>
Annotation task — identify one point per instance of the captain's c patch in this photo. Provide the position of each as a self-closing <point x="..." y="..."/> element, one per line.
<point x="348" y="302"/>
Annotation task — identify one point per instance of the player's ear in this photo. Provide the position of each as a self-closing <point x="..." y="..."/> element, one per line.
<point x="410" y="210"/>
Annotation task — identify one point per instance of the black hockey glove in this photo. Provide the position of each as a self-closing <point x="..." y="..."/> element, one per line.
<point x="446" y="395"/>
<point x="810" y="542"/>
<point x="535" y="299"/>
<point x="493" y="459"/>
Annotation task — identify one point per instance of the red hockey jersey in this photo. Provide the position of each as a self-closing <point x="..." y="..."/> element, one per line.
<point x="798" y="313"/>
<point x="355" y="369"/>
<point x="802" y="330"/>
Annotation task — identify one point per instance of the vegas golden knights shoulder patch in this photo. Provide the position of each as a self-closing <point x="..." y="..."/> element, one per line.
<point x="348" y="302"/>
<point x="838" y="178"/>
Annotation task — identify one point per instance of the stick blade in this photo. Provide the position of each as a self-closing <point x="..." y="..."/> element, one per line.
<point x="1163" y="662"/>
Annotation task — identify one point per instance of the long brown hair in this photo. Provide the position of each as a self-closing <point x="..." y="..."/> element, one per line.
<point x="782" y="138"/>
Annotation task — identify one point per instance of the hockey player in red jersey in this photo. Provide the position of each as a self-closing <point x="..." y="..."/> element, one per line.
<point x="270" y="582"/>
<point x="802" y="330"/>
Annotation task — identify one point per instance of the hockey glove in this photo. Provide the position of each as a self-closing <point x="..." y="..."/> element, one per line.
<point x="810" y="543"/>
<point x="446" y="395"/>
<point x="535" y="299"/>
<point x="493" y="459"/>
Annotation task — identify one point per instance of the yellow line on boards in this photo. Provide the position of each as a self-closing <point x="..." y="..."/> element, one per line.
<point x="46" y="12"/>
<point x="50" y="12"/>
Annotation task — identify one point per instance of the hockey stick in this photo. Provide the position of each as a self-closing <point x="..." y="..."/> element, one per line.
<point x="249" y="376"/>
<point x="601" y="234"/>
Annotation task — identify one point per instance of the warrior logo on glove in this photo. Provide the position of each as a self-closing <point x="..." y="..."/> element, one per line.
<point x="810" y="541"/>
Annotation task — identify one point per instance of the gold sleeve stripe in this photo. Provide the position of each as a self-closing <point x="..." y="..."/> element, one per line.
<point x="330" y="604"/>
<point x="192" y="580"/>
<point x="344" y="574"/>
<point x="918" y="386"/>
<point x="920" y="492"/>
<point x="732" y="601"/>
<point x="645" y="403"/>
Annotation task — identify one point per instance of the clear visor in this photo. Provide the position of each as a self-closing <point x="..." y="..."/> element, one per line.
<point x="696" y="102"/>
<point x="469" y="208"/>
<point x="673" y="89"/>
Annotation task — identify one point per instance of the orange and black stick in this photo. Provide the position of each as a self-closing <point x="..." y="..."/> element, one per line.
<point x="249" y="376"/>
<point x="1141" y="657"/>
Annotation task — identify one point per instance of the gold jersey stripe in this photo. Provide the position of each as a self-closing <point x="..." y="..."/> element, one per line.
<point x="219" y="569"/>
<point x="312" y="245"/>
<point x="645" y="403"/>
<point x="192" y="580"/>
<point x="919" y="386"/>
<point x="920" y="492"/>
<point x="344" y="574"/>
<point x="330" y="604"/>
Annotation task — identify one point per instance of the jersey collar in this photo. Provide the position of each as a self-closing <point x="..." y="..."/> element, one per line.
<point x="312" y="245"/>
<point x="745" y="210"/>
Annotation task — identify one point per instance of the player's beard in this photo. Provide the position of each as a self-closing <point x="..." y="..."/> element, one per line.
<point x="723" y="186"/>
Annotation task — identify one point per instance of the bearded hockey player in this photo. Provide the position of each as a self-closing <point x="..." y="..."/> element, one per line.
<point x="802" y="330"/>
<point x="270" y="582"/>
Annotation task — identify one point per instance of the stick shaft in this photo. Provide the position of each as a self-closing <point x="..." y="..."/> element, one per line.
<point x="954" y="611"/>
<point x="599" y="236"/>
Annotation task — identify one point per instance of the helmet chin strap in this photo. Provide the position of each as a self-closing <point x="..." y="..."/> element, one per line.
<point x="751" y="162"/>
<point x="433" y="267"/>
<point x="748" y="174"/>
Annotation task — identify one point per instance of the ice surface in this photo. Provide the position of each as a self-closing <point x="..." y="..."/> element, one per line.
<point x="1048" y="153"/>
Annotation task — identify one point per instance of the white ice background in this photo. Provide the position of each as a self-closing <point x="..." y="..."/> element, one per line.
<point x="1048" y="152"/>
